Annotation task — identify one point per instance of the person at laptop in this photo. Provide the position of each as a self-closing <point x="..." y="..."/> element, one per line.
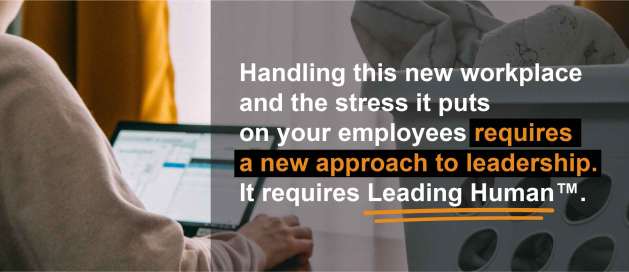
<point x="64" y="204"/>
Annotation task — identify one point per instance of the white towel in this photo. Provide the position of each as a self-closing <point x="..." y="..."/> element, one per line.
<point x="465" y="33"/>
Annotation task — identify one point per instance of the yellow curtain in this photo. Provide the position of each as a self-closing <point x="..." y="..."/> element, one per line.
<point x="615" y="12"/>
<point x="116" y="53"/>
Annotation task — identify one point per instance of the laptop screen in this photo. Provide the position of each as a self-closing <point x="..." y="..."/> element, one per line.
<point x="173" y="174"/>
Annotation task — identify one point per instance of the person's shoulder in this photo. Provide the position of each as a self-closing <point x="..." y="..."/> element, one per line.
<point x="32" y="81"/>
<point x="17" y="50"/>
<point x="28" y="70"/>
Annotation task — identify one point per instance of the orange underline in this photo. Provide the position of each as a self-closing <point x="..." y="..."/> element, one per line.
<point x="458" y="218"/>
<point x="458" y="210"/>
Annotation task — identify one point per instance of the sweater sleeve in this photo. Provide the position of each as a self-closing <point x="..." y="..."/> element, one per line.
<point x="63" y="202"/>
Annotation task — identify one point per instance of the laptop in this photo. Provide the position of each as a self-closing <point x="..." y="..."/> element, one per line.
<point x="181" y="171"/>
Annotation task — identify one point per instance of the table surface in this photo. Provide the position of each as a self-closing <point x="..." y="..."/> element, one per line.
<point x="349" y="252"/>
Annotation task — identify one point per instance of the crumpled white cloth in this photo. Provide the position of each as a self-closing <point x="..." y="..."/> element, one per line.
<point x="465" y="34"/>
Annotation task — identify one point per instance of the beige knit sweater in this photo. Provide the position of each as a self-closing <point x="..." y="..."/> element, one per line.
<point x="63" y="202"/>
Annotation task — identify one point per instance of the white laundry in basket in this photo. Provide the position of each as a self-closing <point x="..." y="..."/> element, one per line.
<point x="464" y="33"/>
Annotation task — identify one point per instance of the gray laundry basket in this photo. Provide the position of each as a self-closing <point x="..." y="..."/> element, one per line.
<point x="575" y="237"/>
